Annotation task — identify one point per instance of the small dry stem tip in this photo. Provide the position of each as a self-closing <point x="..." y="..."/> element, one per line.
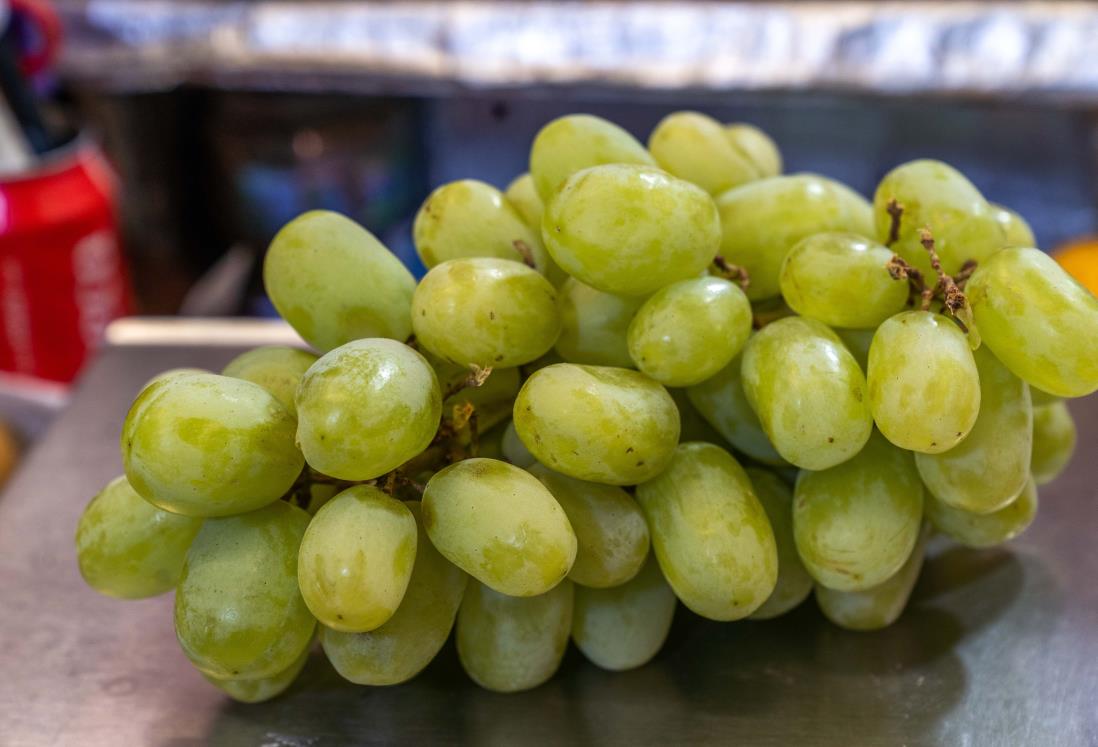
<point x="895" y="212"/>
<point x="525" y="252"/>
<point x="735" y="273"/>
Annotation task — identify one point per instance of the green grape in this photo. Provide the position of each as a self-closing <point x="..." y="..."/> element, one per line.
<point x="690" y="330"/>
<point x="490" y="444"/>
<point x="625" y="626"/>
<point x="366" y="408"/>
<point x="764" y="219"/>
<point x="841" y="279"/>
<point x="710" y="533"/>
<point x="924" y="388"/>
<point x="127" y="547"/>
<point x="1037" y="320"/>
<point x="491" y="401"/>
<point x="261" y="689"/>
<point x="794" y="584"/>
<point x="1015" y="228"/>
<point x="1054" y="439"/>
<point x="334" y="282"/>
<point x="207" y="445"/>
<point x="172" y="373"/>
<point x="611" y="536"/>
<point x="694" y="426"/>
<point x="485" y="312"/>
<point x="990" y="467"/>
<point x="808" y="392"/>
<point x="607" y="425"/>
<point x="514" y="450"/>
<point x="855" y="524"/>
<point x="857" y="341"/>
<point x="238" y="611"/>
<point x="1041" y="398"/>
<point x="697" y="148"/>
<point x="594" y="325"/>
<point x="879" y="606"/>
<point x="756" y="146"/>
<point x="508" y="644"/>
<point x="401" y="648"/>
<point x="630" y="230"/>
<point x="499" y="524"/>
<point x="575" y="142"/>
<point x="319" y="494"/>
<point x="523" y="195"/>
<point x="275" y="368"/>
<point x="356" y="559"/>
<point x="985" y="530"/>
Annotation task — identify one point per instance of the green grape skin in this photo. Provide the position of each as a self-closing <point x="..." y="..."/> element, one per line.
<point x="988" y="469"/>
<point x="856" y="523"/>
<point x="575" y="142"/>
<point x="710" y="534"/>
<point x="208" y="445"/>
<point x="595" y="423"/>
<point x="491" y="401"/>
<point x="508" y="644"/>
<point x="172" y="373"/>
<point x="756" y="146"/>
<point x="694" y="427"/>
<point x="261" y="689"/>
<point x="490" y="443"/>
<point x="1054" y="438"/>
<point x="128" y="548"/>
<point x="794" y="584"/>
<point x="594" y="325"/>
<point x="334" y="282"/>
<point x="924" y="388"/>
<point x="238" y="611"/>
<point x="1037" y="320"/>
<point x="356" y="559"/>
<point x="523" y="195"/>
<point x="808" y="392"/>
<point x="1041" y="398"/>
<point x="689" y="330"/>
<point x="500" y="525"/>
<point x="857" y="341"/>
<point x="625" y="626"/>
<point x="366" y="408"/>
<point x="491" y="313"/>
<point x="762" y="220"/>
<point x="514" y="450"/>
<point x="695" y="147"/>
<point x="402" y="647"/>
<point x="276" y="368"/>
<point x="611" y="536"/>
<point x="985" y="530"/>
<point x="841" y="279"/>
<point x="319" y="494"/>
<point x="529" y="369"/>
<point x="1016" y="230"/>
<point x="630" y="230"/>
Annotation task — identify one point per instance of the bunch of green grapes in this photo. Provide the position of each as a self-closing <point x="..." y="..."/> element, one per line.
<point x="638" y="375"/>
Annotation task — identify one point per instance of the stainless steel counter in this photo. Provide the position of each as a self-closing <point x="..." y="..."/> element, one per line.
<point x="998" y="647"/>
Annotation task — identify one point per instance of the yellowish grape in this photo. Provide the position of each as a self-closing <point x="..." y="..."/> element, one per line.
<point x="523" y="195"/>
<point x="985" y="530"/>
<point x="1016" y="230"/>
<point x="1054" y="439"/>
<point x="756" y="146"/>
<point x="794" y="584"/>
<point x="594" y="325"/>
<point x="697" y="148"/>
<point x="261" y="689"/>
<point x="276" y="368"/>
<point x="575" y="142"/>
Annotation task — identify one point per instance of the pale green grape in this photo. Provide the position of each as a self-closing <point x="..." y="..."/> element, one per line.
<point x="710" y="533"/>
<point x="756" y="146"/>
<point x="1054" y="439"/>
<point x="575" y="142"/>
<point x="485" y="312"/>
<point x="1037" y="320"/>
<point x="990" y="467"/>
<point x="367" y="407"/>
<point x="625" y="626"/>
<point x="334" y="282"/>
<point x="855" y="524"/>
<point x="841" y="279"/>
<point x="762" y="220"/>
<point x="985" y="530"/>
<point x="630" y="230"/>
<point x="857" y="341"/>
<point x="509" y="644"/>
<point x="172" y="373"/>
<point x="607" y="425"/>
<point x="491" y="401"/>
<point x="594" y="325"/>
<point x="611" y="536"/>
<point x="499" y="524"/>
<point x="690" y="330"/>
<point x="207" y="445"/>
<point x="808" y="392"/>
<point x="129" y="548"/>
<point x="1016" y="230"/>
<point x="523" y="195"/>
<point x="694" y="426"/>
<point x="276" y="368"/>
<point x="924" y="388"/>
<point x="261" y="689"/>
<point x="514" y="450"/>
<point x="697" y="148"/>
<point x="238" y="611"/>
<point x="1041" y="398"/>
<point x="490" y="444"/>
<point x="400" y="649"/>
<point x="794" y="584"/>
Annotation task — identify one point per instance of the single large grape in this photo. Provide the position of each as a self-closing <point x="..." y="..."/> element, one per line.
<point x="206" y="445"/>
<point x="334" y="282"/>
<point x="924" y="388"/>
<point x="129" y="548"/>
<point x="690" y="330"/>
<point x="608" y="425"/>
<point x="1054" y="439"/>
<point x="794" y="584"/>
<point x="1037" y="320"/>
<point x="1016" y="231"/>
<point x="276" y="368"/>
<point x="855" y="524"/>
<point x="989" y="529"/>
<point x="238" y="611"/>
<point x="578" y="141"/>
<point x="697" y="148"/>
<point x="808" y="392"/>
<point x="594" y="325"/>
<point x="261" y="689"/>
<point x="710" y="533"/>
<point x="523" y="195"/>
<point x="756" y="146"/>
<point x="630" y="230"/>
<point x="367" y="407"/>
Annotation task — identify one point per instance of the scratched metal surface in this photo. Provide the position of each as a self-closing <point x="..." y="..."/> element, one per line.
<point x="998" y="647"/>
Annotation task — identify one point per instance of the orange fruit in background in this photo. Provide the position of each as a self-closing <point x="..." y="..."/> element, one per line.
<point x="1080" y="259"/>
